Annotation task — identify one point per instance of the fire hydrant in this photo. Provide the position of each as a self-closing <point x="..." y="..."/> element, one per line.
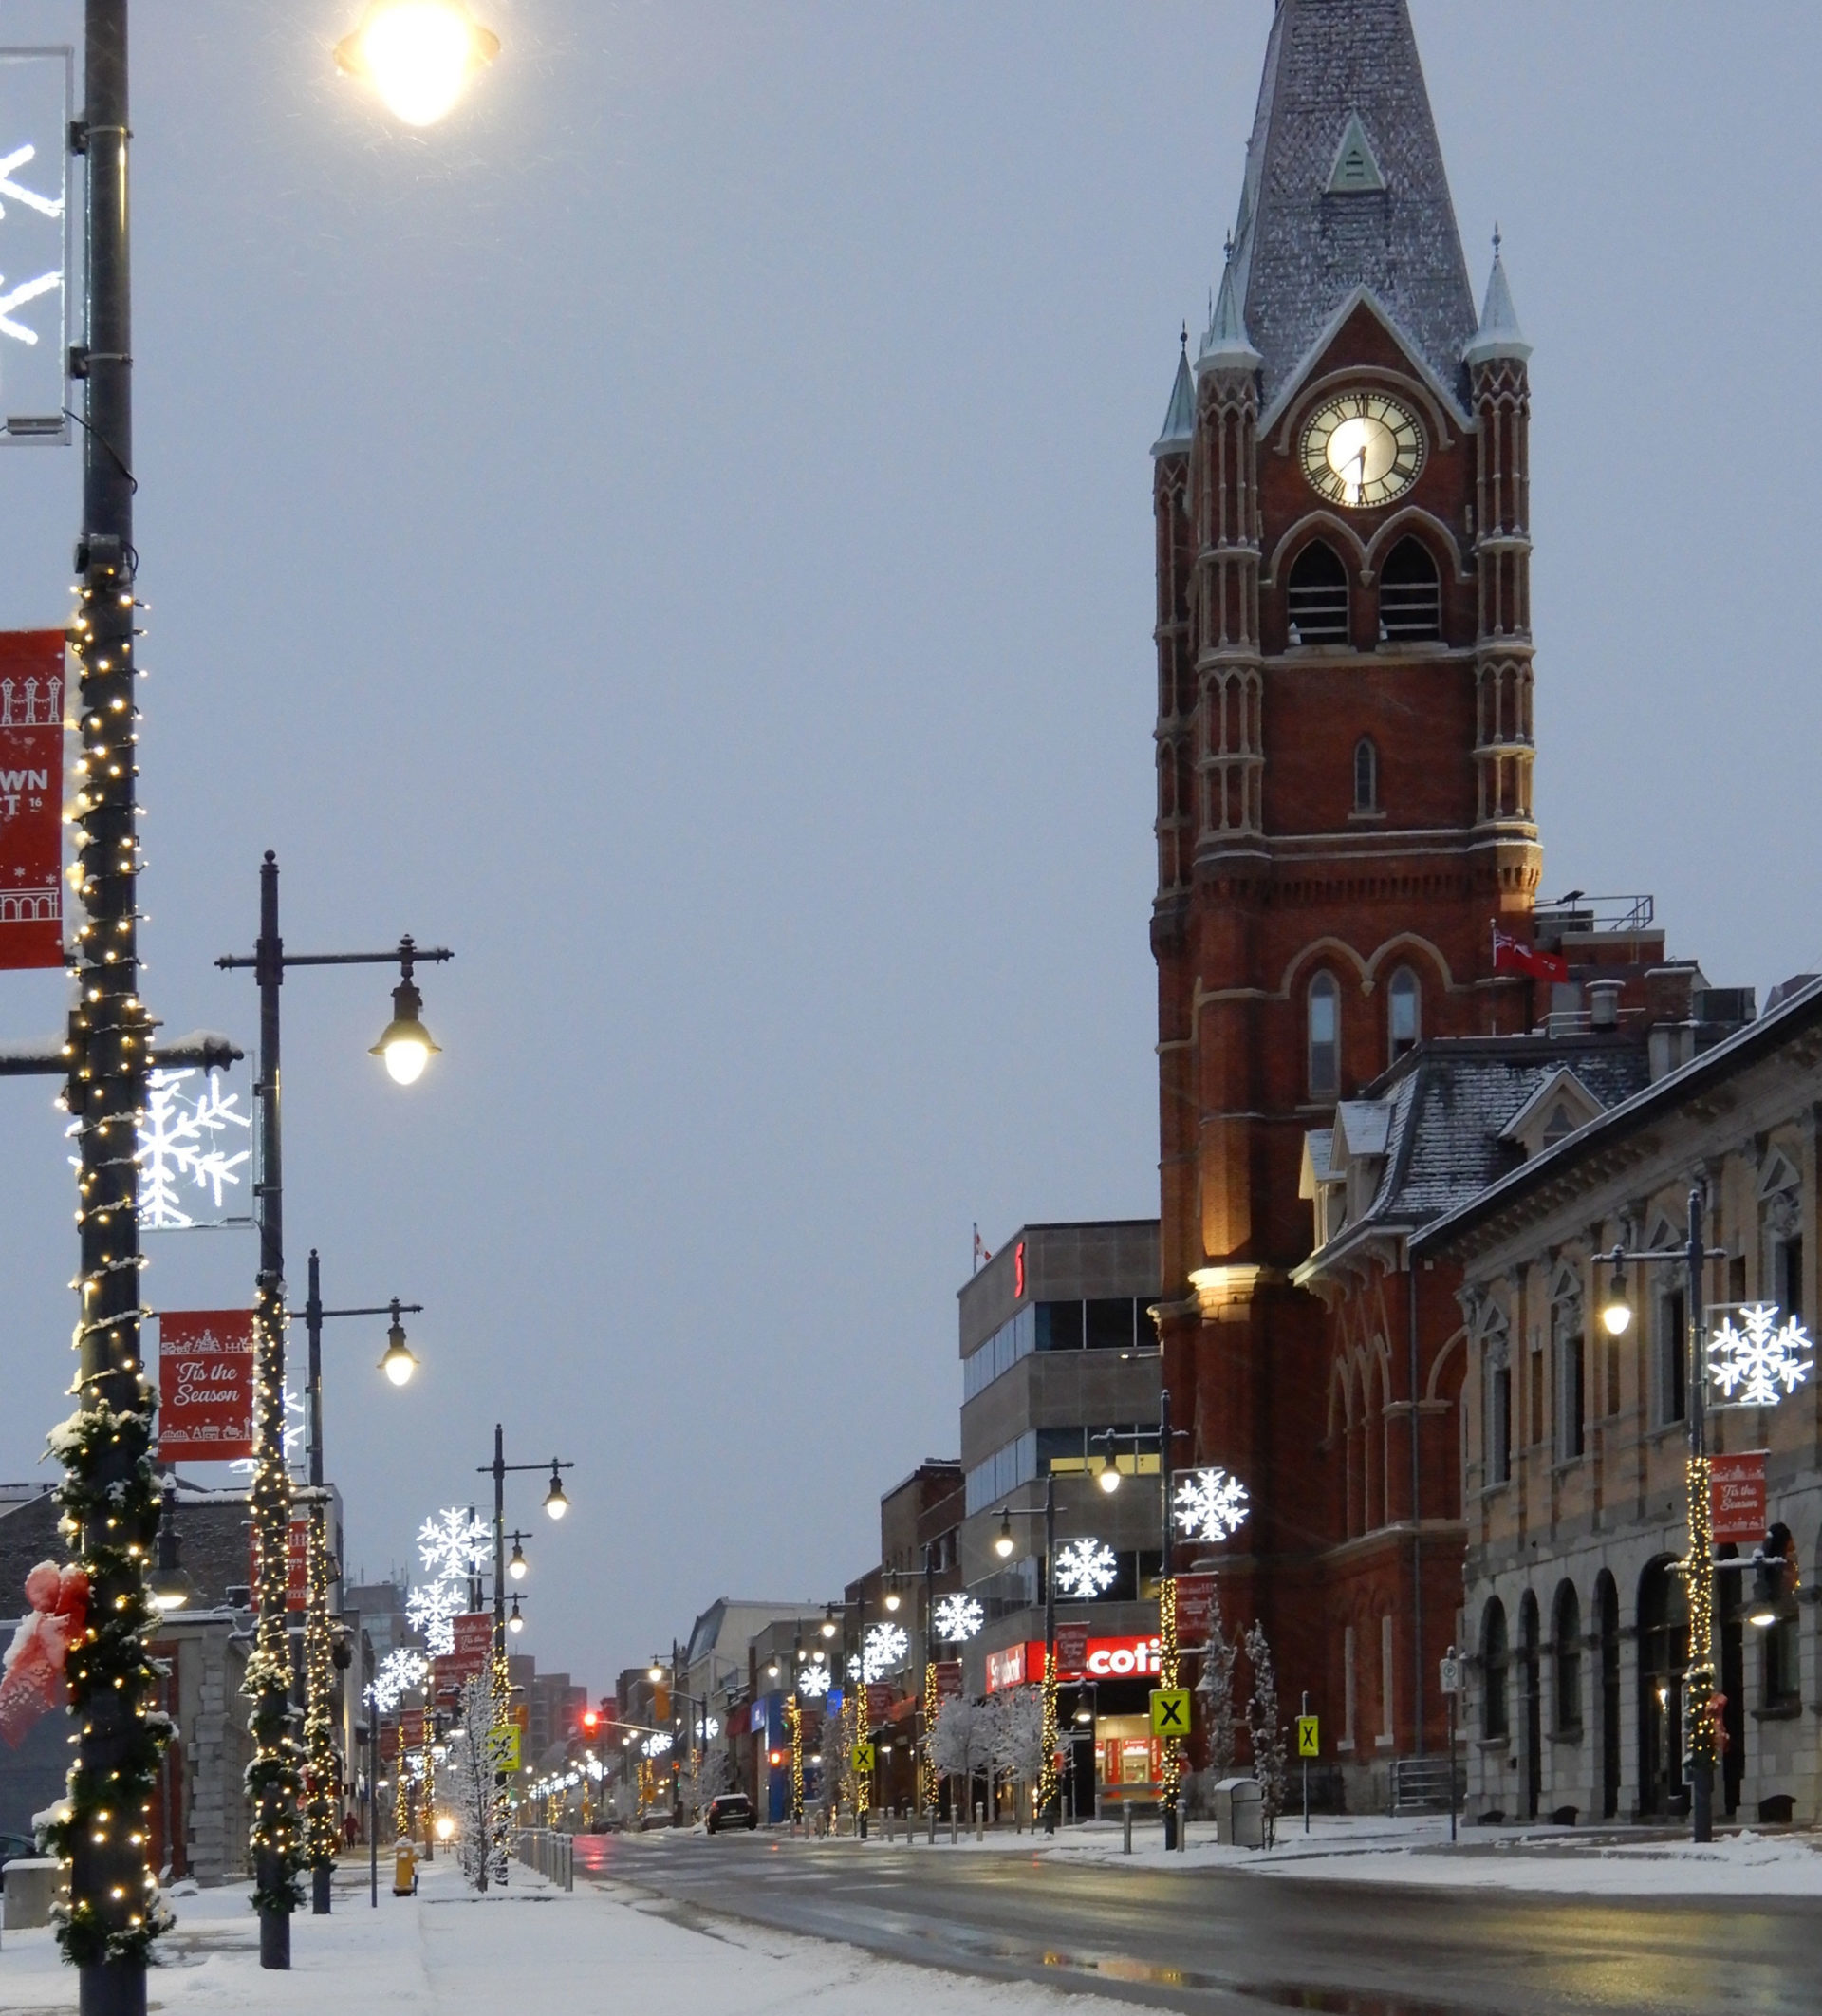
<point x="404" y="1871"/>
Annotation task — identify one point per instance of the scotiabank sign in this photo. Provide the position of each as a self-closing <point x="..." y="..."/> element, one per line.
<point x="1133" y="1658"/>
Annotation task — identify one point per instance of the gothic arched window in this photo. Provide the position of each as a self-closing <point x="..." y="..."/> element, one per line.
<point x="1318" y="596"/>
<point x="1365" y="775"/>
<point x="1410" y="592"/>
<point x="1324" y="1037"/>
<point x="1404" y="1012"/>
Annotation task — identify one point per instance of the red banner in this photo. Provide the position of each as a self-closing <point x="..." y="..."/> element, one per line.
<point x="473" y="1646"/>
<point x="1736" y="1496"/>
<point x="1194" y="1598"/>
<point x="948" y="1679"/>
<point x="411" y="1727"/>
<point x="879" y="1701"/>
<point x="388" y="1742"/>
<point x="297" y="1566"/>
<point x="32" y="799"/>
<point x="1071" y="1649"/>
<point x="205" y="1383"/>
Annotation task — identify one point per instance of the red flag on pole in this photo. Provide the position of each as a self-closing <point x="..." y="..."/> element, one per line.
<point x="1512" y="955"/>
<point x="32" y="799"/>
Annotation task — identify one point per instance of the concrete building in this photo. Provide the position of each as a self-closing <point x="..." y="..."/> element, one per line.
<point x="1060" y="1373"/>
<point x="1576" y="1620"/>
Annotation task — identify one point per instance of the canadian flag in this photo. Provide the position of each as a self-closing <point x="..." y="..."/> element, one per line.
<point x="1512" y="955"/>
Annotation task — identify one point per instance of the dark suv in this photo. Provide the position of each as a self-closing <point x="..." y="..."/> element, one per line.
<point x="732" y="1809"/>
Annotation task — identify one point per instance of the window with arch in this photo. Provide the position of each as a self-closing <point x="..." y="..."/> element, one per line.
<point x="1410" y="592"/>
<point x="1317" y="598"/>
<point x="1496" y="1713"/>
<point x="1365" y="775"/>
<point x="1324" y="1012"/>
<point x="1403" y="1013"/>
<point x="1565" y="1633"/>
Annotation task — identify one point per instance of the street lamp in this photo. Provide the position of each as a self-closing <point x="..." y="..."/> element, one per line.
<point x="555" y="1501"/>
<point x="516" y="1567"/>
<point x="405" y="1044"/>
<point x="420" y="55"/>
<point x="515" y="1623"/>
<point x="274" y="1768"/>
<point x="168" y="1586"/>
<point x="397" y="1361"/>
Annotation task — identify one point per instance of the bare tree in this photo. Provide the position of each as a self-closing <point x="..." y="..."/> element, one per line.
<point x="1271" y="1763"/>
<point x="961" y="1742"/>
<point x="1221" y="1714"/>
<point x="1016" y="1732"/>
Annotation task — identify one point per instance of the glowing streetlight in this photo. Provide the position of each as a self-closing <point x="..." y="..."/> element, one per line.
<point x="398" y="1364"/>
<point x="515" y="1623"/>
<point x="1003" y="1540"/>
<point x="405" y="1044"/>
<point x="516" y="1566"/>
<point x="419" y="55"/>
<point x="555" y="1501"/>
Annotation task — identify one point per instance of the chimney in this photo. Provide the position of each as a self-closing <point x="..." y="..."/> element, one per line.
<point x="1603" y="1003"/>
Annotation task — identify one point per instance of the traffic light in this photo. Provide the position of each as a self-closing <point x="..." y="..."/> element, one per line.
<point x="590" y="1720"/>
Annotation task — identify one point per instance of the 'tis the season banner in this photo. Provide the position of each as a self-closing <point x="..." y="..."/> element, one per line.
<point x="32" y="799"/>
<point x="205" y="1384"/>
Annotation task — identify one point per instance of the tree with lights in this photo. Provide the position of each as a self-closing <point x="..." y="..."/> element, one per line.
<point x="468" y="1773"/>
<point x="1016" y="1732"/>
<point x="961" y="1744"/>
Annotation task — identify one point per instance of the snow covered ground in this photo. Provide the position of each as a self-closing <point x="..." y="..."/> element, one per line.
<point x="447" y="1952"/>
<point x="1375" y="1849"/>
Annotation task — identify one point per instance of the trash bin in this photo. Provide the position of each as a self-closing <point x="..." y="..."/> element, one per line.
<point x="404" y="1871"/>
<point x="1239" y="1813"/>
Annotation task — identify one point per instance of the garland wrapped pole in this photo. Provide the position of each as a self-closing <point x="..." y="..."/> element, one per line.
<point x="321" y="1801"/>
<point x="1703" y="1743"/>
<point x="1170" y="1768"/>
<point x="108" y="1495"/>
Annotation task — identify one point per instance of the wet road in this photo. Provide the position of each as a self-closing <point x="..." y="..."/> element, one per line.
<point x="1221" y="1944"/>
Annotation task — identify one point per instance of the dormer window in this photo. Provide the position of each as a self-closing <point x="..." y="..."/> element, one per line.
<point x="1410" y="594"/>
<point x="1318" y="596"/>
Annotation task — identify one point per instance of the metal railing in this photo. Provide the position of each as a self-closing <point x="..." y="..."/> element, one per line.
<point x="1421" y="1784"/>
<point x="1619" y="914"/>
<point x="552" y="1855"/>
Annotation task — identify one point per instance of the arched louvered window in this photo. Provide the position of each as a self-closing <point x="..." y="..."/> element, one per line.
<point x="1410" y="592"/>
<point x="1318" y="596"/>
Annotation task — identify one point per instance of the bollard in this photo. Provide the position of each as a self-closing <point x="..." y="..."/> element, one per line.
<point x="932" y="1823"/>
<point x="1125" y="1827"/>
<point x="980" y="1821"/>
<point x="954" y="1808"/>
<point x="1183" y="1824"/>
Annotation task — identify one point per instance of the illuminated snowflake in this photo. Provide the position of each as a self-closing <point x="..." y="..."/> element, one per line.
<point x="1761" y="1354"/>
<point x="1083" y="1569"/>
<point x="886" y="1647"/>
<point x="657" y="1745"/>
<point x="186" y="1140"/>
<point x="814" y="1681"/>
<point x="399" y="1672"/>
<point x="431" y="1607"/>
<point x="1210" y="1504"/>
<point x="247" y="1465"/>
<point x="959" y="1617"/>
<point x="853" y="1666"/>
<point x="454" y="1544"/>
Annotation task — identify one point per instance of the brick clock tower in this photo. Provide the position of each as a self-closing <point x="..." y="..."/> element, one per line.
<point x="1344" y="739"/>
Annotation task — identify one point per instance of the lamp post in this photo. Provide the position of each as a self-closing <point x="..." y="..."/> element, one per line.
<point x="555" y="1505"/>
<point x="406" y="1046"/>
<point x="1699" y="1566"/>
<point x="321" y="1834"/>
<point x="1003" y="1545"/>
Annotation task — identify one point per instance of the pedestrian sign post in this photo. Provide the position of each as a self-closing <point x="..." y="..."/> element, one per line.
<point x="1171" y="1712"/>
<point x="863" y="1757"/>
<point x="1309" y="1737"/>
<point x="505" y="1742"/>
<point x="1452" y="1689"/>
<point x="1451" y="1674"/>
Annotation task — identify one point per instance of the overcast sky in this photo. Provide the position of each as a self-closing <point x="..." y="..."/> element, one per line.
<point x="679" y="534"/>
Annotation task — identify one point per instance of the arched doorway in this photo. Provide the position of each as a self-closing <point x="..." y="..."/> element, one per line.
<point x="1663" y="1654"/>
<point x="1607" y="1632"/>
<point x="1530" y="1686"/>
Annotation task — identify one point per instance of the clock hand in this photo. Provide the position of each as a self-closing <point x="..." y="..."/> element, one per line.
<point x="1360" y="488"/>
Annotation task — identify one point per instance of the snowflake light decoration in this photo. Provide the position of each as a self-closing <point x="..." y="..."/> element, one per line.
<point x="1210" y="1504"/>
<point x="186" y="1139"/>
<point x="431" y="1607"/>
<point x="1084" y="1568"/>
<point x="814" y="1681"/>
<point x="657" y="1745"/>
<point x="247" y="1465"/>
<point x="399" y="1672"/>
<point x="853" y="1666"/>
<point x="885" y="1651"/>
<point x="957" y="1618"/>
<point x="1752" y="1358"/>
<point x="454" y="1544"/>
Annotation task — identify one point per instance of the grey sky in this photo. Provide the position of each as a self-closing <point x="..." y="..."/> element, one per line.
<point x="680" y="534"/>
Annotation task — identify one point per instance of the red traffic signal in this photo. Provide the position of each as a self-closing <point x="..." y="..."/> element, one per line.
<point x="590" y="1719"/>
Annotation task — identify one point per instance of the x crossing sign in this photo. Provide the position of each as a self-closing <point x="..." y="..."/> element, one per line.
<point x="1171" y="1712"/>
<point x="1309" y="1743"/>
<point x="862" y="1758"/>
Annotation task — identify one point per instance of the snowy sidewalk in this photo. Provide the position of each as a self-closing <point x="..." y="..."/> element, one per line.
<point x="447" y="1952"/>
<point x="1370" y="1849"/>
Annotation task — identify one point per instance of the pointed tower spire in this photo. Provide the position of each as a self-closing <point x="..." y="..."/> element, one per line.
<point x="1180" y="419"/>
<point x="1499" y="334"/>
<point x="1226" y="345"/>
<point x="1344" y="189"/>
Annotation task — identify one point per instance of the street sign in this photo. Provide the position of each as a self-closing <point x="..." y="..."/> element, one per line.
<point x="1451" y="1677"/>
<point x="505" y="1745"/>
<point x="1309" y="1736"/>
<point x="1171" y="1712"/>
<point x="863" y="1757"/>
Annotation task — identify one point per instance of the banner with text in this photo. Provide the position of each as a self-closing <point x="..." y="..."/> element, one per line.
<point x="205" y="1384"/>
<point x="473" y="1633"/>
<point x="1194" y="1598"/>
<point x="1736" y="1496"/>
<point x="32" y="799"/>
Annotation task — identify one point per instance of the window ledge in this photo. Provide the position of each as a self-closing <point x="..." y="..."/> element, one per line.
<point x="1781" y="1711"/>
<point x="1570" y="1736"/>
<point x="1493" y="1742"/>
<point x="1366" y="818"/>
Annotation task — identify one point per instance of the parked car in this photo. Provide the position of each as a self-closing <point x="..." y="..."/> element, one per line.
<point x="16" y="1848"/>
<point x="732" y="1809"/>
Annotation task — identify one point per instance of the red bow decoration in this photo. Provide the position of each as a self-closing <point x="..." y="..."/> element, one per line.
<point x="31" y="1675"/>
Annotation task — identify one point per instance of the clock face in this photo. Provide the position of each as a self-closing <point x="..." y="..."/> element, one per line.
<point x="1363" y="450"/>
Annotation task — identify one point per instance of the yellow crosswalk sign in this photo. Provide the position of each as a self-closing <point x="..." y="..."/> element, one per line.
<point x="863" y="1757"/>
<point x="1309" y="1743"/>
<point x="1171" y="1712"/>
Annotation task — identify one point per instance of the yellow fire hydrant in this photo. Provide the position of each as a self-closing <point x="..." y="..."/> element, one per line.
<point x="404" y="1871"/>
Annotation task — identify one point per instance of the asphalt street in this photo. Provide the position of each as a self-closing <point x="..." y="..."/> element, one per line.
<point x="1226" y="1943"/>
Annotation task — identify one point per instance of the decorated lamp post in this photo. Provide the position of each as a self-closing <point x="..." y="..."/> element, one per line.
<point x="1748" y="1362"/>
<point x="273" y="1777"/>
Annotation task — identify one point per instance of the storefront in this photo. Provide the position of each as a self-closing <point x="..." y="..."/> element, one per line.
<point x="1106" y="1739"/>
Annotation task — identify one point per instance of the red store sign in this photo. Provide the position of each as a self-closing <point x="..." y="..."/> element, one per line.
<point x="1133" y="1658"/>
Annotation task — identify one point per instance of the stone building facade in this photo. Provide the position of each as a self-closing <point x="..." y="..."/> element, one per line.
<point x="1575" y="1440"/>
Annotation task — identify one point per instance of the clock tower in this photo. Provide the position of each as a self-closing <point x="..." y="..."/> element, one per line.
<point x="1344" y="743"/>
